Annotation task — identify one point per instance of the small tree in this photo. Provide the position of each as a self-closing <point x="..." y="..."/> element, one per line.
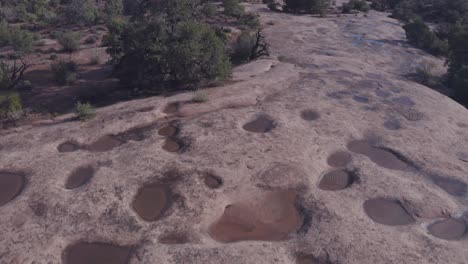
<point x="307" y="6"/>
<point x="420" y="35"/>
<point x="249" y="47"/>
<point x="12" y="73"/>
<point x="233" y="8"/>
<point x="70" y="41"/>
<point x="458" y="62"/>
<point x="82" y="11"/>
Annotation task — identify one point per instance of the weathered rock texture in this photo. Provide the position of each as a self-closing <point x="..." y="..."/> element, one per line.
<point x="347" y="73"/>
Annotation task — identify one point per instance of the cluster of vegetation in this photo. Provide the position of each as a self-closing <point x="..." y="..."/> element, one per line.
<point x="448" y="37"/>
<point x="170" y="46"/>
<point x="84" y="111"/>
<point x="358" y="5"/>
<point x="301" y="6"/>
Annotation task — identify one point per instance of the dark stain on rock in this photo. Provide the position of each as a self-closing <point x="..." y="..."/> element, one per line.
<point x="97" y="253"/>
<point x="168" y="131"/>
<point x="448" y="229"/>
<point x="172" y="107"/>
<point x="79" y="177"/>
<point x="339" y="94"/>
<point x="339" y="159"/>
<point x="152" y="201"/>
<point x="172" y="145"/>
<point x="105" y="143"/>
<point x="11" y="185"/>
<point x="404" y="101"/>
<point x="261" y="124"/>
<point x="212" y="181"/>
<point x="361" y="99"/>
<point x="387" y="212"/>
<point x="310" y="115"/>
<point x="383" y="94"/>
<point x="68" y="146"/>
<point x="392" y="124"/>
<point x="174" y="238"/>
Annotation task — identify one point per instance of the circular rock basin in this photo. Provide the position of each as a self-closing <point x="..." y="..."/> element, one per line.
<point x="79" y="177"/>
<point x="452" y="186"/>
<point x="104" y="143"/>
<point x="171" y="145"/>
<point x="339" y="159"/>
<point x="172" y="108"/>
<point x="11" y="185"/>
<point x="379" y="156"/>
<point x="212" y="181"/>
<point x="152" y="201"/>
<point x="387" y="212"/>
<point x="167" y="131"/>
<point x="448" y="229"/>
<point x="96" y="253"/>
<point x="68" y="147"/>
<point x="336" y="180"/>
<point x="261" y="124"/>
<point x="310" y="115"/>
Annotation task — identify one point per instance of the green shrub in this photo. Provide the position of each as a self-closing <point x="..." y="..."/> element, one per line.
<point x="200" y="96"/>
<point x="425" y="73"/>
<point x="84" y="111"/>
<point x="21" y="40"/>
<point x="307" y="6"/>
<point x="360" y="5"/>
<point x="82" y="12"/>
<point x="248" y="47"/>
<point x="11" y="107"/>
<point x="419" y="34"/>
<point x="113" y="8"/>
<point x="458" y="62"/>
<point x="209" y="9"/>
<point x="155" y="54"/>
<point x="70" y="41"/>
<point x="233" y="8"/>
<point x="11" y="74"/>
<point x="249" y="20"/>
<point x="65" y="73"/>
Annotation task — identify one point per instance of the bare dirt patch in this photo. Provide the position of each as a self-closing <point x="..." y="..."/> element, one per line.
<point x="270" y="218"/>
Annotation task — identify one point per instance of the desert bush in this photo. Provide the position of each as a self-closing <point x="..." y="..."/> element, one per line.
<point x="425" y="73"/>
<point x="21" y="40"/>
<point x="11" y="73"/>
<point x="419" y="34"/>
<point x="209" y="9"/>
<point x="82" y="12"/>
<point x="172" y="51"/>
<point x="307" y="6"/>
<point x="248" y="47"/>
<point x="200" y="96"/>
<point x="360" y="5"/>
<point x="458" y="62"/>
<point x="11" y="107"/>
<point x="233" y="8"/>
<point x="65" y="72"/>
<point x="70" y="41"/>
<point x="84" y="111"/>
<point x="113" y="8"/>
<point x="249" y="20"/>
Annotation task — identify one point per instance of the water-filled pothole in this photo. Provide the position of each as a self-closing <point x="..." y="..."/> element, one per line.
<point x="172" y="107"/>
<point x="168" y="131"/>
<point x="68" y="146"/>
<point x="79" y="177"/>
<point x="380" y="156"/>
<point x="339" y="159"/>
<point x="11" y="185"/>
<point x="172" y="145"/>
<point x="387" y="212"/>
<point x="452" y="186"/>
<point x="261" y="124"/>
<point x="212" y="181"/>
<point x="448" y="229"/>
<point x="270" y="217"/>
<point x="97" y="253"/>
<point x="174" y="238"/>
<point x="152" y="201"/>
<point x="310" y="115"/>
<point x="336" y="180"/>
<point x="104" y="143"/>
